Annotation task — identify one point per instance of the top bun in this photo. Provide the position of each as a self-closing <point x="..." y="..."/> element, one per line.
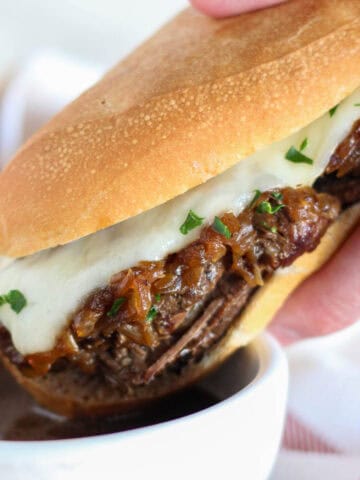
<point x="192" y="101"/>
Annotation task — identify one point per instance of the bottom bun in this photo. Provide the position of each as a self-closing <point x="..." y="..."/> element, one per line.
<point x="72" y="394"/>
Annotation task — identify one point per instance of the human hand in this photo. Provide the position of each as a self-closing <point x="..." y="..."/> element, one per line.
<point x="330" y="299"/>
<point x="226" y="8"/>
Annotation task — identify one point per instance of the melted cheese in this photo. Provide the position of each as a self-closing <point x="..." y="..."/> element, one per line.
<point x="55" y="281"/>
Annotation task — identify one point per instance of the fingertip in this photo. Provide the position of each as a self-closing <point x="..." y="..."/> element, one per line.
<point x="228" y="8"/>
<point x="212" y="8"/>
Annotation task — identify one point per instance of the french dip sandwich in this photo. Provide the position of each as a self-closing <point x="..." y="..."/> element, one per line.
<point x="159" y="222"/>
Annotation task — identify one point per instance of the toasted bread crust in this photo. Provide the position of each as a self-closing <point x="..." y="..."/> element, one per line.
<point x="191" y="102"/>
<point x="74" y="396"/>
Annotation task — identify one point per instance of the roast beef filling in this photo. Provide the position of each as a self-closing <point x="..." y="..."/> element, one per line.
<point x="164" y="315"/>
<point x="342" y="175"/>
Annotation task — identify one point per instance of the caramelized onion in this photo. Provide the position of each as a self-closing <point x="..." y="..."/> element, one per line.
<point x="42" y="362"/>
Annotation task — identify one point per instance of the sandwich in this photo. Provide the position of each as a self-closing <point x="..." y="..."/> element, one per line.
<point x="158" y="222"/>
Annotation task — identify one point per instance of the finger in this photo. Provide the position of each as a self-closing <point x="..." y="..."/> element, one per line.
<point x="226" y="8"/>
<point x="326" y="302"/>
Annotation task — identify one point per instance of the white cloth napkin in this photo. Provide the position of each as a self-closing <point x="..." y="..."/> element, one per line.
<point x="322" y="437"/>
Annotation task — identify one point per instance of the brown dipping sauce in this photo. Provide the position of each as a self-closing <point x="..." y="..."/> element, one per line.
<point x="22" y="419"/>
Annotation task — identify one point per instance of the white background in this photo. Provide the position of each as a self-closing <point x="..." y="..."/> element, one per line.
<point x="98" y="31"/>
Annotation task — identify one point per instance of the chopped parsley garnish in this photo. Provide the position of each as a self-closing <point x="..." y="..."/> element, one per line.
<point x="151" y="314"/>
<point x="192" y="221"/>
<point x="356" y="104"/>
<point x="114" y="310"/>
<point x="304" y="144"/>
<point x="221" y="228"/>
<point x="278" y="196"/>
<point x="268" y="227"/>
<point x="157" y="297"/>
<point x="332" y="111"/>
<point x="266" y="207"/>
<point x="15" y="299"/>
<point x="256" y="196"/>
<point x="296" y="156"/>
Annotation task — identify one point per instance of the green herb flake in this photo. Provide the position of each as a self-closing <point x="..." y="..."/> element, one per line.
<point x="151" y="314"/>
<point x="266" y="207"/>
<point x="221" y="228"/>
<point x="278" y="196"/>
<point x="157" y="297"/>
<point x="332" y="111"/>
<point x="192" y="221"/>
<point x="256" y="197"/>
<point x="268" y="227"/>
<point x="295" y="156"/>
<point x="15" y="299"/>
<point x="304" y="144"/>
<point x="356" y="104"/>
<point x="114" y="310"/>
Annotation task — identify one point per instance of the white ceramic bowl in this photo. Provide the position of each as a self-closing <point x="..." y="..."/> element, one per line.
<point x="237" y="437"/>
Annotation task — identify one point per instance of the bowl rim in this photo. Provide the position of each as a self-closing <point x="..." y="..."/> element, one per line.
<point x="270" y="355"/>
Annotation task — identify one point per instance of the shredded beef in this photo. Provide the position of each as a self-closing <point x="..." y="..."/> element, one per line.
<point x="194" y="332"/>
<point x="346" y="158"/>
<point x="346" y="189"/>
<point x="342" y="175"/>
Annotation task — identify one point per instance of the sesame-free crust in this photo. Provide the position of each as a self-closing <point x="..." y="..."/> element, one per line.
<point x="192" y="101"/>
